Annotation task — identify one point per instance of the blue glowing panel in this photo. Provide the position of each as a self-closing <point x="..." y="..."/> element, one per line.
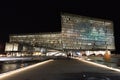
<point x="81" y="32"/>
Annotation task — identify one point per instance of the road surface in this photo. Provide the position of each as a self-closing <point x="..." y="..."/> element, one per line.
<point x="63" y="69"/>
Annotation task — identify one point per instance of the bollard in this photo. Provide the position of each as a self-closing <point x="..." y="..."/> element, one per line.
<point x="107" y="56"/>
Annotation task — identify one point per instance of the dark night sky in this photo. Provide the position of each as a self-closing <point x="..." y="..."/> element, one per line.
<point x="44" y="16"/>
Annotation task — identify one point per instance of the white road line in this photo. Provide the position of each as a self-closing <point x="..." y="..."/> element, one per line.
<point x="3" y="75"/>
<point x="100" y="65"/>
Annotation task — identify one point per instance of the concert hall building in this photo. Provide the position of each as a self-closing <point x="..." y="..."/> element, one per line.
<point x="78" y="33"/>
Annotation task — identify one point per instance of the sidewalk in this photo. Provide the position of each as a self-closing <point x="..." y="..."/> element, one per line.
<point x="114" y="61"/>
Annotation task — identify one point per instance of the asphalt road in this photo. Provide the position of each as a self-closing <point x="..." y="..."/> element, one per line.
<point x="64" y="69"/>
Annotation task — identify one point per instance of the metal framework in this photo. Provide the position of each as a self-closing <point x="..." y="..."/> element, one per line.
<point x="78" y="32"/>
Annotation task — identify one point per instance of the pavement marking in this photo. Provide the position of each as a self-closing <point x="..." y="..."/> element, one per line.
<point x="10" y="73"/>
<point x="100" y="65"/>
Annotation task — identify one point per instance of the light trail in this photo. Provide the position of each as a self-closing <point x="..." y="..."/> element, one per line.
<point x="11" y="73"/>
<point x="12" y="59"/>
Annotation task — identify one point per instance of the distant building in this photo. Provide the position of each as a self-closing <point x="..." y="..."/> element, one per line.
<point x="2" y="48"/>
<point x="77" y="33"/>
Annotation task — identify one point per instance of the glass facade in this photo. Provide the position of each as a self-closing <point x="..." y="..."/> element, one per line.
<point x="78" y="32"/>
<point x="48" y="40"/>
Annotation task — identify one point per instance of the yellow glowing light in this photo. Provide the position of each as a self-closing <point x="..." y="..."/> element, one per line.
<point x="21" y="69"/>
<point x="100" y="65"/>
